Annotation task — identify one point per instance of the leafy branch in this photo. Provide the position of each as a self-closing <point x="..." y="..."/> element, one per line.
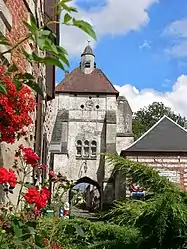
<point x="147" y="177"/>
<point x="44" y="39"/>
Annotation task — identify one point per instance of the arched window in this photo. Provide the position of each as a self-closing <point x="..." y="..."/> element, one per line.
<point x="79" y="148"/>
<point x="86" y="148"/>
<point x="93" y="148"/>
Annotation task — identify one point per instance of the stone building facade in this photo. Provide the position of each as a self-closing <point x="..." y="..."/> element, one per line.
<point x="164" y="148"/>
<point x="89" y="118"/>
<point x="12" y="14"/>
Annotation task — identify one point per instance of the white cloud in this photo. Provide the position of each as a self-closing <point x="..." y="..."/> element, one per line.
<point x="145" y="44"/>
<point x="176" y="98"/>
<point x="179" y="50"/>
<point x="177" y="30"/>
<point x="116" y="17"/>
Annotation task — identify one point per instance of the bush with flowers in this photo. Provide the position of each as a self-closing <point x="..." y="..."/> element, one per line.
<point x="18" y="223"/>
<point x="24" y="226"/>
<point x="16" y="108"/>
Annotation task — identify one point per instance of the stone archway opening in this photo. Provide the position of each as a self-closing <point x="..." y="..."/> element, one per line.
<point x="85" y="194"/>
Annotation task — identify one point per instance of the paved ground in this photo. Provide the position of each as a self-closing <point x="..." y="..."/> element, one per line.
<point x="82" y="213"/>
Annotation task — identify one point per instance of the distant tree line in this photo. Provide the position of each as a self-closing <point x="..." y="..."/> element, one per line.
<point x="146" y="117"/>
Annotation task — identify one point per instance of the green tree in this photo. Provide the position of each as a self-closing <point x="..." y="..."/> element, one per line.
<point x="146" y="117"/>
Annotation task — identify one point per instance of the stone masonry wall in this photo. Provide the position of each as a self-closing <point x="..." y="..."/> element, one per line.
<point x="83" y="124"/>
<point x="96" y="121"/>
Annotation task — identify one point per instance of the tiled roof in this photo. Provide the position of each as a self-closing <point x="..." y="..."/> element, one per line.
<point x="79" y="82"/>
<point x="164" y="136"/>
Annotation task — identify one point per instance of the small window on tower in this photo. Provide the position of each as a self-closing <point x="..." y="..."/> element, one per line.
<point x="86" y="148"/>
<point x="93" y="148"/>
<point x="79" y="148"/>
<point x="87" y="65"/>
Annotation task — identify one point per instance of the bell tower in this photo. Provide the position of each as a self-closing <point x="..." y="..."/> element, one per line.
<point x="87" y="64"/>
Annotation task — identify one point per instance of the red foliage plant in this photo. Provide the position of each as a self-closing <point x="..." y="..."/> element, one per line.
<point x="8" y="177"/>
<point x="30" y="156"/>
<point x="15" y="109"/>
<point x="39" y="198"/>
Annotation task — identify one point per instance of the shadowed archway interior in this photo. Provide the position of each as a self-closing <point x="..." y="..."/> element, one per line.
<point x="88" y="181"/>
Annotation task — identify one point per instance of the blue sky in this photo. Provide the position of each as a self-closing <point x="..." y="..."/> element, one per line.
<point x="146" y="50"/>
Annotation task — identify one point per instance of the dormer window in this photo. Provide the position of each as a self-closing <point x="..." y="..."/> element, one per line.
<point x="87" y="65"/>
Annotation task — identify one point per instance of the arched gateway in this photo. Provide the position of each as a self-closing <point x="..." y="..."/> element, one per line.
<point x="89" y="119"/>
<point x="92" y="199"/>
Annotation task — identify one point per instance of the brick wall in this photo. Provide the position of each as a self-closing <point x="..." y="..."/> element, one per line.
<point x="173" y="167"/>
<point x="18" y="31"/>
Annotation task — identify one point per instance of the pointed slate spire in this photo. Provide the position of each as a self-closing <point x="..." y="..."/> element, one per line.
<point x="88" y="50"/>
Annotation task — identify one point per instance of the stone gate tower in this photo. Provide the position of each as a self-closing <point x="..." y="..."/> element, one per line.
<point x="90" y="118"/>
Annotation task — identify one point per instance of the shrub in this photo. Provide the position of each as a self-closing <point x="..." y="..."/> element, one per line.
<point x="81" y="233"/>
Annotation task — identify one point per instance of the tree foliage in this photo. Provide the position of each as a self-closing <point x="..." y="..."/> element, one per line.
<point x="146" y="117"/>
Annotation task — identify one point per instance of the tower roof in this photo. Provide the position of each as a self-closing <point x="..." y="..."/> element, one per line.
<point x="79" y="82"/>
<point x="88" y="51"/>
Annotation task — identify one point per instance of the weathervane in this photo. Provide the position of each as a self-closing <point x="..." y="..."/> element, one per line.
<point x="88" y="42"/>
